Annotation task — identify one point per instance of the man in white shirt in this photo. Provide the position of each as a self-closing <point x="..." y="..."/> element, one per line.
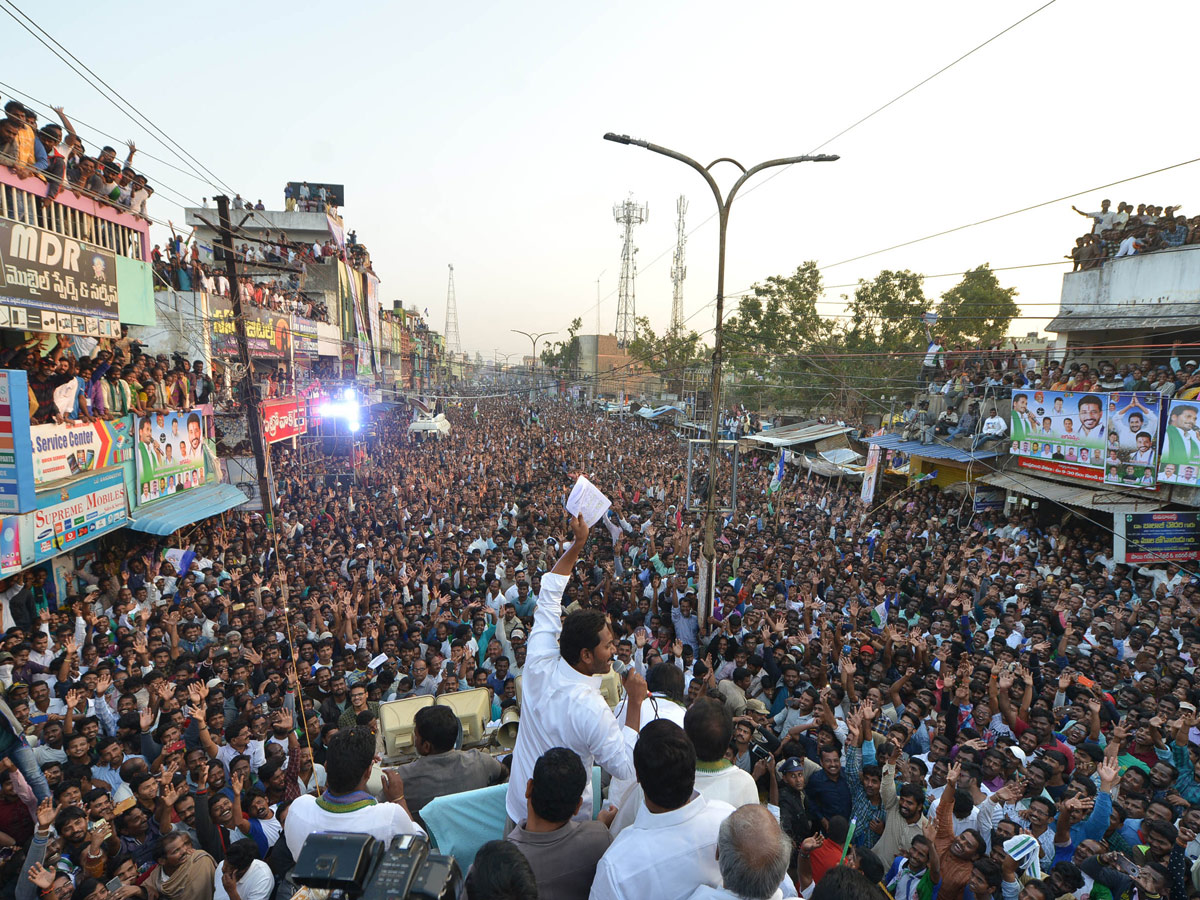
<point x="243" y="875"/>
<point x="562" y="704"/>
<point x="671" y="848"/>
<point x="994" y="429"/>
<point x="345" y="805"/>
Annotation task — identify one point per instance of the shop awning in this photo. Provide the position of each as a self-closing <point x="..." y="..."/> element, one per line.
<point x="800" y="433"/>
<point x="168" y="516"/>
<point x="1079" y="496"/>
<point x="1140" y="315"/>
<point x="936" y="450"/>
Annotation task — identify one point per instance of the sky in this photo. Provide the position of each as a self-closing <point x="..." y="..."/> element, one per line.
<point x="471" y="134"/>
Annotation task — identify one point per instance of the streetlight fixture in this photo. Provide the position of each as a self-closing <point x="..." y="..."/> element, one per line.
<point x="723" y="205"/>
<point x="533" y="339"/>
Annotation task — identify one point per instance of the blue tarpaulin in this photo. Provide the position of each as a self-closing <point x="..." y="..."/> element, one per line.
<point x="166" y="516"/>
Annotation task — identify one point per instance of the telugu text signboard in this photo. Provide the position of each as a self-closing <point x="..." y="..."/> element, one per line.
<point x="283" y="419"/>
<point x="268" y="334"/>
<point x="49" y="282"/>
<point x="1157" y="537"/>
<point x="78" y="512"/>
<point x="72" y="448"/>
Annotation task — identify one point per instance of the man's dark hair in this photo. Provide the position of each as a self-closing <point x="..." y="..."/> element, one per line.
<point x="665" y="762"/>
<point x="665" y="678"/>
<point x="501" y="872"/>
<point x="351" y="753"/>
<point x="870" y="864"/>
<point x="240" y="854"/>
<point x="581" y="631"/>
<point x="709" y="725"/>
<point x="842" y="883"/>
<point x="558" y="782"/>
<point x="990" y="872"/>
<point x="161" y="845"/>
<point x="438" y="725"/>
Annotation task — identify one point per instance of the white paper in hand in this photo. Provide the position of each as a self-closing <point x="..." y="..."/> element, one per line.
<point x="587" y="500"/>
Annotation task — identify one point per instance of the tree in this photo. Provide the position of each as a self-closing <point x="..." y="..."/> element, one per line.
<point x="564" y="355"/>
<point x="977" y="309"/>
<point x="670" y="357"/>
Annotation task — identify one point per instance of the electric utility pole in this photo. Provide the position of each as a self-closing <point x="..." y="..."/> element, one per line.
<point x="249" y="391"/>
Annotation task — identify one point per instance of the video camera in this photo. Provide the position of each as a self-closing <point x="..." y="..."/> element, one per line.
<point x="359" y="867"/>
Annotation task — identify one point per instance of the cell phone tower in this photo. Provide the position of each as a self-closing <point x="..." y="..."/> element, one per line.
<point x="628" y="214"/>
<point x="453" y="345"/>
<point x="678" y="269"/>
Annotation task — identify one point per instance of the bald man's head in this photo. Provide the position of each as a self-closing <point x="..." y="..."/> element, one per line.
<point x="753" y="852"/>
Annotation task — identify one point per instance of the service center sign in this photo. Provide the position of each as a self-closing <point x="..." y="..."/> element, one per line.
<point x="70" y="449"/>
<point x="77" y="513"/>
<point x="283" y="419"/>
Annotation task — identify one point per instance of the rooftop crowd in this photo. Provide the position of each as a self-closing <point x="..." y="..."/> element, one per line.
<point x="56" y="155"/>
<point x="902" y="701"/>
<point x="1130" y="232"/>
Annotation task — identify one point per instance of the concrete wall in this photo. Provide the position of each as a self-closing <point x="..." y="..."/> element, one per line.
<point x="1168" y="276"/>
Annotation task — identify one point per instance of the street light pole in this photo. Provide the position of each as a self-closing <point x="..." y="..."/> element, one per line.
<point x="533" y="339"/>
<point x="723" y="205"/>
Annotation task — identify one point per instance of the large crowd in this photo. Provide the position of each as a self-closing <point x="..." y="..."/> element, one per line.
<point x="905" y="701"/>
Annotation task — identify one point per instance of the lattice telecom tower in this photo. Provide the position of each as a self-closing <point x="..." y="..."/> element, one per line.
<point x="453" y="345"/>
<point x="678" y="269"/>
<point x="628" y="214"/>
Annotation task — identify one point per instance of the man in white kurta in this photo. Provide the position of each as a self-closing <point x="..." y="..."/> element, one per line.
<point x="561" y="702"/>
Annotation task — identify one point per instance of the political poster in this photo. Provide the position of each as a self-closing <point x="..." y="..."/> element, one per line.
<point x="1092" y="435"/>
<point x="1179" y="462"/>
<point x="1156" y="537"/>
<point x="73" y="448"/>
<point x="171" y="455"/>
<point x="1131" y="436"/>
<point x="870" y="474"/>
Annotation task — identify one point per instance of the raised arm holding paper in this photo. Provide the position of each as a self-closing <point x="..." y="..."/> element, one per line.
<point x="562" y="704"/>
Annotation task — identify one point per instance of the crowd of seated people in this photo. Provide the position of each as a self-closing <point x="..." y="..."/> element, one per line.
<point x="1130" y="232"/>
<point x="56" y="155"/>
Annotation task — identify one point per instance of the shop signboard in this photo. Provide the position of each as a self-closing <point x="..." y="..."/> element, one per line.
<point x="172" y="454"/>
<point x="49" y="282"/>
<point x="16" y="472"/>
<point x="268" y="334"/>
<point x="283" y="419"/>
<point x="1180" y="460"/>
<point x="1090" y="435"/>
<point x="1156" y="537"/>
<point x="73" y="448"/>
<point x="77" y="512"/>
<point x="304" y="337"/>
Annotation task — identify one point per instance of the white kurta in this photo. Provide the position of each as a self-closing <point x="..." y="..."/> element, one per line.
<point x="562" y="708"/>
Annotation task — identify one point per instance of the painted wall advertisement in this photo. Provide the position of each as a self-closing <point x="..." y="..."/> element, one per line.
<point x="73" y="448"/>
<point x="172" y="455"/>
<point x="1156" y="537"/>
<point x="76" y="513"/>
<point x="49" y="282"/>
<point x="1095" y="436"/>
<point x="283" y="419"/>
